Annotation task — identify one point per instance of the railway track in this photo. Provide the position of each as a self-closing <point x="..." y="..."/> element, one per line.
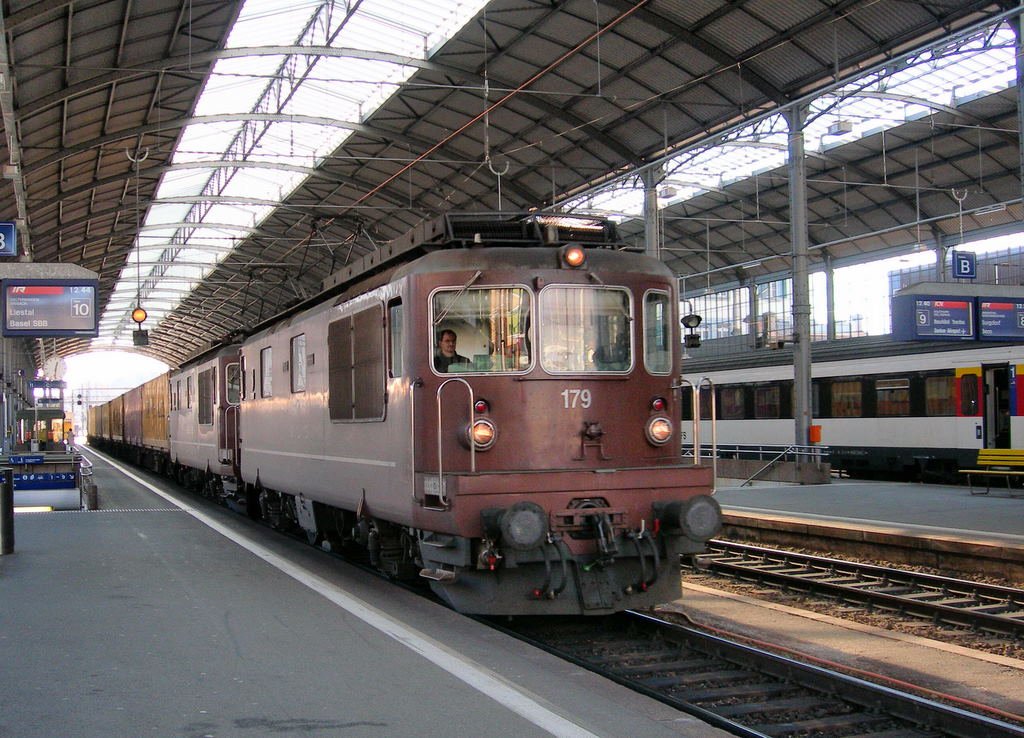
<point x="744" y="690"/>
<point x="983" y="607"/>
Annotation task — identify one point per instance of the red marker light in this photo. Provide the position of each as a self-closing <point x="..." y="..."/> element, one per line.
<point x="658" y="404"/>
<point x="481" y="406"/>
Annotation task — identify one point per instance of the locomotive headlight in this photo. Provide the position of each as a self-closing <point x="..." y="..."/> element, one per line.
<point x="482" y="434"/>
<point x="659" y="430"/>
<point x="524" y="526"/>
<point x="573" y="256"/>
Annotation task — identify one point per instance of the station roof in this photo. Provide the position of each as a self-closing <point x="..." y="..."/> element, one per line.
<point x="217" y="161"/>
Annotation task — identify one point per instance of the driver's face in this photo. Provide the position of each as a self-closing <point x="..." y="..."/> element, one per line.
<point x="447" y="345"/>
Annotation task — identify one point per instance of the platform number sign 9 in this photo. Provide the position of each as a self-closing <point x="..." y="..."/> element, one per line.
<point x="8" y="239"/>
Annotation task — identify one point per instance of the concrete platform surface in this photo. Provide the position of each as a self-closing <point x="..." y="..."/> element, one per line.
<point x="160" y="615"/>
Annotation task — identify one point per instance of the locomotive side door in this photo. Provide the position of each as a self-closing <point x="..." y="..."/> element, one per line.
<point x="229" y="411"/>
<point x="997" y="405"/>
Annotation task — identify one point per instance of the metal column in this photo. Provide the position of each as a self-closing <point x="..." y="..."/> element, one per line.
<point x="796" y="117"/>
<point x="652" y="176"/>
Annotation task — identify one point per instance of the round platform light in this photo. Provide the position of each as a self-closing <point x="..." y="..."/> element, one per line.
<point x="139" y="315"/>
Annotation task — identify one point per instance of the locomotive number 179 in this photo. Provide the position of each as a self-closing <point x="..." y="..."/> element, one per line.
<point x="574" y="398"/>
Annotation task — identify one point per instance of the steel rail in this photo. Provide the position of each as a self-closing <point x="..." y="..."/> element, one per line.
<point x="742" y="689"/>
<point x="985" y="607"/>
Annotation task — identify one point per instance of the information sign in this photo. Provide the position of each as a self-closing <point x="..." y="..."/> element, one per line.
<point x="8" y="239"/>
<point x="929" y="317"/>
<point x="965" y="264"/>
<point x="1000" y="319"/>
<point x="38" y="307"/>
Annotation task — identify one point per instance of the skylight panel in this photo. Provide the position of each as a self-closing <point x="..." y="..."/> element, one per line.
<point x="877" y="102"/>
<point x="342" y="89"/>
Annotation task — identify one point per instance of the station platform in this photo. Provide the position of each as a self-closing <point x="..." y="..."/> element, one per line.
<point x="944" y="526"/>
<point x="158" y="614"/>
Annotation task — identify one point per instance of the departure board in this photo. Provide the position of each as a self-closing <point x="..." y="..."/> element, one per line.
<point x="37" y="307"/>
<point x="933" y="317"/>
<point x="1000" y="319"/>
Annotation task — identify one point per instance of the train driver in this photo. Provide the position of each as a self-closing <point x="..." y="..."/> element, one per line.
<point x="445" y="355"/>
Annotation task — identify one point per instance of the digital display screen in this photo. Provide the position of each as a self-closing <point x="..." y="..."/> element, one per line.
<point x="57" y="307"/>
<point x="931" y="317"/>
<point x="1001" y="319"/>
<point x="944" y="318"/>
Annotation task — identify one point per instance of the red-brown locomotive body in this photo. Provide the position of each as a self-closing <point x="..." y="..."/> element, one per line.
<point x="533" y="469"/>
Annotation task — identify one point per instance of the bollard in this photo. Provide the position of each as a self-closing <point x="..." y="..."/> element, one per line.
<point x="6" y="511"/>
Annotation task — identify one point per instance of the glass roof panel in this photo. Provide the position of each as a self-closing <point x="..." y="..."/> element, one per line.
<point x="879" y="101"/>
<point x="341" y="90"/>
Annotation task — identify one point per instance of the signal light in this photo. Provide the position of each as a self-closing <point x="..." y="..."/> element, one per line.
<point x="481" y="406"/>
<point x="658" y="404"/>
<point x="573" y="256"/>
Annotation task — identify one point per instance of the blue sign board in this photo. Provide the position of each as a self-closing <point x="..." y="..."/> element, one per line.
<point x="965" y="264"/>
<point x="1000" y="319"/>
<point x="941" y="317"/>
<point x="8" y="239"/>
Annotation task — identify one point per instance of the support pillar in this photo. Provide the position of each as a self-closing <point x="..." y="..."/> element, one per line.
<point x="796" y="117"/>
<point x="830" y="299"/>
<point x="651" y="177"/>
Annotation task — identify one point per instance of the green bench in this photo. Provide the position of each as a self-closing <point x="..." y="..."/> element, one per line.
<point x="996" y="462"/>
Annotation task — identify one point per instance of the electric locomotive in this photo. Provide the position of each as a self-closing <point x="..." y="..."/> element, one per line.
<point x="490" y="404"/>
<point x="537" y="470"/>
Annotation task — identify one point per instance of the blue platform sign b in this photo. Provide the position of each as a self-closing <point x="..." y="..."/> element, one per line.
<point x="8" y="239"/>
<point x="965" y="265"/>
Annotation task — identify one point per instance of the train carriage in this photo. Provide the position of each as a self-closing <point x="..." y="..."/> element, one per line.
<point x="885" y="408"/>
<point x="155" y="441"/>
<point x="202" y="406"/>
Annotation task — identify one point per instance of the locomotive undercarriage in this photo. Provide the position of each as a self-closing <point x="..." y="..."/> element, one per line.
<point x="591" y="563"/>
<point x="614" y="570"/>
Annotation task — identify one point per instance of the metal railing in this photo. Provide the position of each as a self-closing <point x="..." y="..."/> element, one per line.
<point x="772" y="455"/>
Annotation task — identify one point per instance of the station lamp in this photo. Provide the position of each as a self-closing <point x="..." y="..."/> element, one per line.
<point x="139" y="336"/>
<point x="690" y="322"/>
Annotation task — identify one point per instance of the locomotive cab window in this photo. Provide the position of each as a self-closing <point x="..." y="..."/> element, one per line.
<point x="657" y="333"/>
<point x="586" y="329"/>
<point x="483" y="330"/>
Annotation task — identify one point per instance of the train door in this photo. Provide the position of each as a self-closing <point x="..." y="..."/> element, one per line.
<point x="997" y="405"/>
<point x="229" y="410"/>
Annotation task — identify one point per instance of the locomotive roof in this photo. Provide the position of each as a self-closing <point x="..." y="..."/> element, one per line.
<point x="466" y="241"/>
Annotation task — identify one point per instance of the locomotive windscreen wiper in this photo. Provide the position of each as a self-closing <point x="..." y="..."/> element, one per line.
<point x="456" y="296"/>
